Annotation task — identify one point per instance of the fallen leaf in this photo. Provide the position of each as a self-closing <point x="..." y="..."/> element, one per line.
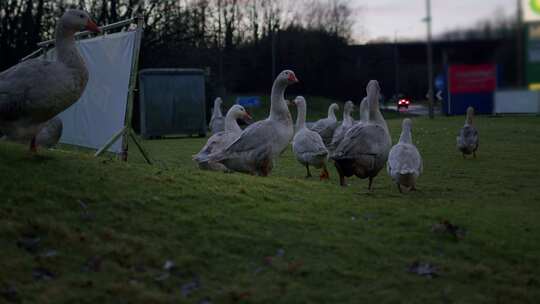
<point x="30" y="244"/>
<point x="93" y="264"/>
<point x="239" y="296"/>
<point x="86" y="215"/>
<point x="10" y="294"/>
<point x="446" y="227"/>
<point x="168" y="265"/>
<point x="423" y="269"/>
<point x="162" y="277"/>
<point x="41" y="273"/>
<point x="190" y="287"/>
<point x="294" y="266"/>
<point x="268" y="260"/>
<point x="49" y="254"/>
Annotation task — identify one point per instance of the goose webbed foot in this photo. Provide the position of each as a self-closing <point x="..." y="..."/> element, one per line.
<point x="324" y="174"/>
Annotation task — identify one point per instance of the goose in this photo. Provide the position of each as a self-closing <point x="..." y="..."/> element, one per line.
<point x="222" y="139"/>
<point x="364" y="112"/>
<point x="307" y="145"/>
<point x="262" y="142"/>
<point x="326" y="126"/>
<point x="467" y="141"/>
<point x="344" y="127"/>
<point x="50" y="134"/>
<point x="217" y="122"/>
<point x="404" y="161"/>
<point x="34" y="91"/>
<point x="364" y="149"/>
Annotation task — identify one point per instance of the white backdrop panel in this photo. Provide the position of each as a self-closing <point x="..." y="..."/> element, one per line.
<point x="100" y="112"/>
<point x="517" y="102"/>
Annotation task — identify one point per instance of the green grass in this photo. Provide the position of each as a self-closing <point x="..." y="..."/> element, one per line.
<point x="337" y="245"/>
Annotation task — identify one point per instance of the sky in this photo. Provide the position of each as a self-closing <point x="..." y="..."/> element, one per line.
<point x="385" y="18"/>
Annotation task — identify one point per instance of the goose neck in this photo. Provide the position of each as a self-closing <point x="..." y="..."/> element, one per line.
<point x="406" y="136"/>
<point x="67" y="52"/>
<point x="278" y="107"/>
<point x="301" y="118"/>
<point x="231" y="125"/>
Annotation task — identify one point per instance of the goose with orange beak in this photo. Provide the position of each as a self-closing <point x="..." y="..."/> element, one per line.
<point x="260" y="144"/>
<point x="34" y="91"/>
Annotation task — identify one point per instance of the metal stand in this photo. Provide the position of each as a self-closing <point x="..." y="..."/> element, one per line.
<point x="128" y="132"/>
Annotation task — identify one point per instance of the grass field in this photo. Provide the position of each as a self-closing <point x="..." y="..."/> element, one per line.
<point x="75" y="229"/>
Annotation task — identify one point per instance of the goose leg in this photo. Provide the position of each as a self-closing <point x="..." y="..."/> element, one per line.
<point x="33" y="147"/>
<point x="399" y="188"/>
<point x="474" y="154"/>
<point x="308" y="175"/>
<point x="370" y="188"/>
<point x="341" y="175"/>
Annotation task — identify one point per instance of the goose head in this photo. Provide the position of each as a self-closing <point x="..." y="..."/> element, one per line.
<point x="332" y="110"/>
<point x="349" y="107"/>
<point x="218" y="101"/>
<point x="75" y="20"/>
<point x="287" y="77"/>
<point x="470" y="115"/>
<point x="406" y="124"/>
<point x="300" y="101"/>
<point x="239" y="112"/>
<point x="373" y="89"/>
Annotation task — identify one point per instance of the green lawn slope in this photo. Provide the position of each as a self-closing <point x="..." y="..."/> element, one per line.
<point x="79" y="229"/>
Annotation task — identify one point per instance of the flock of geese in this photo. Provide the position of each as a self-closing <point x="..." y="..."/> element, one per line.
<point x="34" y="92"/>
<point x="360" y="148"/>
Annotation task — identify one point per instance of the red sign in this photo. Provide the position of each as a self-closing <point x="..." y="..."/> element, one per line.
<point x="481" y="78"/>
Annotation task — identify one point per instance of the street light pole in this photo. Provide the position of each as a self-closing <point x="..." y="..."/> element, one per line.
<point x="519" y="41"/>
<point x="429" y="58"/>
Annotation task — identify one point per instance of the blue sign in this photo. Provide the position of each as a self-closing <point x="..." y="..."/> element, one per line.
<point x="249" y="102"/>
<point x="439" y="82"/>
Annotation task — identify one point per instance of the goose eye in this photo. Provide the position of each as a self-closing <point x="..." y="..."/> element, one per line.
<point x="81" y="16"/>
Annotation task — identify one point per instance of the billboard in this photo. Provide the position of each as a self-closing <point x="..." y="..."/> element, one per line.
<point x="470" y="85"/>
<point x="480" y="78"/>
<point x="530" y="10"/>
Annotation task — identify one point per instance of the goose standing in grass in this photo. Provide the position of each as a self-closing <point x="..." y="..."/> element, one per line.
<point x="217" y="122"/>
<point x="307" y="145"/>
<point x="326" y="126"/>
<point x="221" y="140"/>
<point x="50" y="134"/>
<point x="261" y="143"/>
<point x="34" y="91"/>
<point x="364" y="149"/>
<point x="467" y="141"/>
<point x="404" y="161"/>
<point x="344" y="127"/>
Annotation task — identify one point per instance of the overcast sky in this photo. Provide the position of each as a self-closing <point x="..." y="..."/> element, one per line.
<point x="382" y="18"/>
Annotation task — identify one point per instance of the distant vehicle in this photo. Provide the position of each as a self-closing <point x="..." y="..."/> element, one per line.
<point x="403" y="102"/>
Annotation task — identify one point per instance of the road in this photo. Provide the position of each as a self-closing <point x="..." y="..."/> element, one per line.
<point x="415" y="109"/>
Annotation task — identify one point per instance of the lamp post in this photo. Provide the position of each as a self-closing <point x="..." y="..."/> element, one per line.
<point x="429" y="58"/>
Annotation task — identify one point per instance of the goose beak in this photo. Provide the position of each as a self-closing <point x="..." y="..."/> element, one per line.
<point x="92" y="26"/>
<point x="292" y="78"/>
<point x="248" y="117"/>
